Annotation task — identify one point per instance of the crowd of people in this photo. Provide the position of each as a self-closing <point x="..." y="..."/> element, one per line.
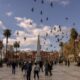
<point x="29" y="67"/>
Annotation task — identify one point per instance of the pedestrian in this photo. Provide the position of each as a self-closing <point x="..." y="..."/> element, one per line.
<point x="41" y="65"/>
<point x="68" y="62"/>
<point x="46" y="68"/>
<point x="29" y="69"/>
<point x="36" y="71"/>
<point x="50" y="65"/>
<point x="24" y="66"/>
<point x="13" y="67"/>
<point x="65" y="62"/>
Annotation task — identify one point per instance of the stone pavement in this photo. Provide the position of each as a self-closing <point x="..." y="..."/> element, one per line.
<point x="60" y="72"/>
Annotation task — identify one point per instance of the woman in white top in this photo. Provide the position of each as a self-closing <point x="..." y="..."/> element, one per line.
<point x="36" y="71"/>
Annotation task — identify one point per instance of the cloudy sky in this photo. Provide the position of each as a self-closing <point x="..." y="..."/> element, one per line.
<point x="28" y="18"/>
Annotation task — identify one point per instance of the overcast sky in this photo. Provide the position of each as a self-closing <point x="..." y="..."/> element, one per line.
<point x="25" y="16"/>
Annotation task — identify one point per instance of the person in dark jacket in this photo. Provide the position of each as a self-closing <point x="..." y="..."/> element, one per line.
<point x="46" y="68"/>
<point x="29" y="69"/>
<point x="68" y="62"/>
<point x="41" y="65"/>
<point x="24" y="66"/>
<point x="50" y="68"/>
<point x="13" y="67"/>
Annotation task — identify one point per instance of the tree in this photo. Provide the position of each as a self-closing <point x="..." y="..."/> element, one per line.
<point x="7" y="34"/>
<point x="1" y="46"/>
<point x="73" y="37"/>
<point x="16" y="45"/>
<point x="67" y="49"/>
<point x="73" y="34"/>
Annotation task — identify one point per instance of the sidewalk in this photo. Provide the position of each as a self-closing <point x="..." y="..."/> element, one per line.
<point x="60" y="72"/>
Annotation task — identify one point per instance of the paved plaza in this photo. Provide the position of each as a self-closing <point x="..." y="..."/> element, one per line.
<point x="60" y="72"/>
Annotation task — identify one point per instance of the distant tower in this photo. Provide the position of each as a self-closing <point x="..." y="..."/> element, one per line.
<point x="38" y="56"/>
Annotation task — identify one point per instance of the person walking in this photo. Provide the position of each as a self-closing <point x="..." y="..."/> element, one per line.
<point x="24" y="66"/>
<point x="46" y="68"/>
<point x="29" y="69"/>
<point x="68" y="63"/>
<point x="36" y="71"/>
<point x="13" y="67"/>
<point x="50" y="65"/>
<point x="41" y="65"/>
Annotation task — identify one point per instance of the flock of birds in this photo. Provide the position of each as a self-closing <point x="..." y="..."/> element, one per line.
<point x="57" y="37"/>
<point x="41" y="11"/>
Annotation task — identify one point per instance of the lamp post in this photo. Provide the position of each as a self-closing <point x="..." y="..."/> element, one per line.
<point x="75" y="44"/>
<point x="61" y="45"/>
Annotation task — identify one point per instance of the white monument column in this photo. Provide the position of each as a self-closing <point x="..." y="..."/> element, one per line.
<point x="38" y="56"/>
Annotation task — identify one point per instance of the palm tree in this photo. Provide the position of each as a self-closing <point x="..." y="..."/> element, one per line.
<point x="7" y="34"/>
<point x="73" y="34"/>
<point x="73" y="37"/>
<point x="16" y="45"/>
<point x="1" y="46"/>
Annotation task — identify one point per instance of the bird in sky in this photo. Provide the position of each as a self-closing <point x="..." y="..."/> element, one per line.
<point x="30" y="23"/>
<point x="32" y="9"/>
<point x="35" y="0"/>
<point x="51" y="45"/>
<point x="24" y="38"/>
<point x="66" y="18"/>
<point x="17" y="33"/>
<point x="46" y="18"/>
<point x="51" y="4"/>
<point x="58" y="39"/>
<point x="46" y="34"/>
<point x="59" y="28"/>
<point x="41" y="20"/>
<point x="41" y="12"/>
<point x="74" y="23"/>
<point x="42" y="1"/>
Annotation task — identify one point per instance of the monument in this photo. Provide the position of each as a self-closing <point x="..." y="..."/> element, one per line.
<point x="38" y="56"/>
